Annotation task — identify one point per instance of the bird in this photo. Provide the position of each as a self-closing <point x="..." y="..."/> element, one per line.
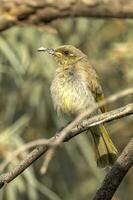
<point x="76" y="87"/>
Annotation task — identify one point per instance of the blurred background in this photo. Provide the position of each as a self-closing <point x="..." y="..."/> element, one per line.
<point x="26" y="110"/>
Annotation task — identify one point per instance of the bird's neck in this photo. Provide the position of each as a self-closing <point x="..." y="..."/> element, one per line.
<point x="72" y="71"/>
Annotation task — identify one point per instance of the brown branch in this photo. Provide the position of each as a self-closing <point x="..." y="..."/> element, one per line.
<point x="40" y="150"/>
<point x="38" y="12"/>
<point x="98" y="119"/>
<point x="102" y="118"/>
<point x="116" y="174"/>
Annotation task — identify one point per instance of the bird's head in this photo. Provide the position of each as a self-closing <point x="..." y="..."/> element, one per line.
<point x="66" y="54"/>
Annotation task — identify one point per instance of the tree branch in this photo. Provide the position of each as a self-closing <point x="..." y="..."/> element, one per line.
<point x="101" y="118"/>
<point x="116" y="174"/>
<point x="38" y="12"/>
<point x="40" y="150"/>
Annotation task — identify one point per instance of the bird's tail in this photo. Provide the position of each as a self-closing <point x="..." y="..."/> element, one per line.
<point x="105" y="151"/>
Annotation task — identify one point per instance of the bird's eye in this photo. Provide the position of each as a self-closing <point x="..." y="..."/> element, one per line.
<point x="66" y="53"/>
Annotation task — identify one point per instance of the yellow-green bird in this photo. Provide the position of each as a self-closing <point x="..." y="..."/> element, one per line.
<point x="75" y="87"/>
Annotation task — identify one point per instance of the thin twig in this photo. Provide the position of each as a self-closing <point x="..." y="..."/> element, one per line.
<point x="49" y="155"/>
<point x="20" y="150"/>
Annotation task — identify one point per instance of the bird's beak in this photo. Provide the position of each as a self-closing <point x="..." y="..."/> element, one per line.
<point x="49" y="50"/>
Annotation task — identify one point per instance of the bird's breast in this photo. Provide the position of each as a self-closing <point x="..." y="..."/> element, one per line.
<point x="70" y="93"/>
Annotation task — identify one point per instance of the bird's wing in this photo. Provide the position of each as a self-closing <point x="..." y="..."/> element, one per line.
<point x="100" y="97"/>
<point x="95" y="87"/>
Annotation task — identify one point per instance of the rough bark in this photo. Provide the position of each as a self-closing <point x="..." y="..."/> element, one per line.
<point x="116" y="174"/>
<point x="42" y="12"/>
